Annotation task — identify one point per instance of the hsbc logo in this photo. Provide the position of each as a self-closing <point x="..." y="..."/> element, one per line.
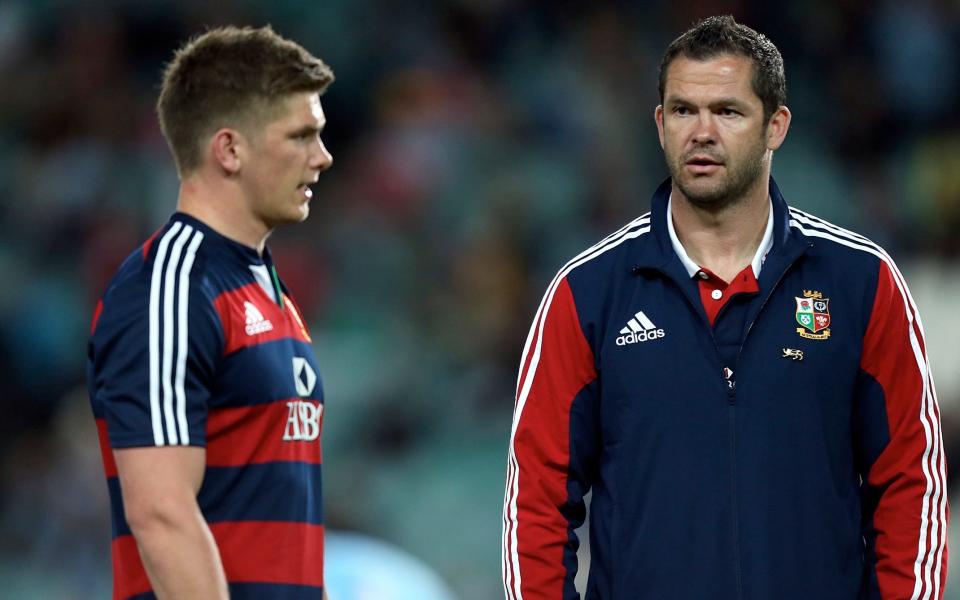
<point x="639" y="329"/>
<point x="303" y="421"/>
<point x="303" y="416"/>
<point x="304" y="377"/>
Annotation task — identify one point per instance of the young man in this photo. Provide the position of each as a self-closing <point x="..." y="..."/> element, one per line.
<point x="743" y="386"/>
<point x="202" y="379"/>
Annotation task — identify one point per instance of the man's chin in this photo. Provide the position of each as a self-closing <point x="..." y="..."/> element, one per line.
<point x="701" y="192"/>
<point x="290" y="218"/>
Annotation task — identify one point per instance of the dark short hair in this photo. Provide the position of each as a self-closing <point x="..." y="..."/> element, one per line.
<point x="714" y="36"/>
<point x="230" y="77"/>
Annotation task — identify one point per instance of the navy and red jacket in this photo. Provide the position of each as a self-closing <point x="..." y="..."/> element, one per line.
<point x="791" y="450"/>
<point x="196" y="342"/>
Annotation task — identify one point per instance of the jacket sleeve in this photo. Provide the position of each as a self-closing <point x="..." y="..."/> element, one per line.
<point x="900" y="451"/>
<point x="553" y="446"/>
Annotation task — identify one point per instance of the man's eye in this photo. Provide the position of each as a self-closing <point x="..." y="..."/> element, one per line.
<point x="681" y="110"/>
<point x="729" y="112"/>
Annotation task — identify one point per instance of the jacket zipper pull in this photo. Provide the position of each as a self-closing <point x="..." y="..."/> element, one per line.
<point x="731" y="383"/>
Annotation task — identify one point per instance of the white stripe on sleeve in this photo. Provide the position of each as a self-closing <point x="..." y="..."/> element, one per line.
<point x="154" y="332"/>
<point x="932" y="512"/>
<point x="182" y="341"/>
<point x="169" y="323"/>
<point x="511" y="555"/>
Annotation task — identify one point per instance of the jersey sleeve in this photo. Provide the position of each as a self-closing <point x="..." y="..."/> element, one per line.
<point x="153" y="355"/>
<point x="552" y="455"/>
<point x="900" y="451"/>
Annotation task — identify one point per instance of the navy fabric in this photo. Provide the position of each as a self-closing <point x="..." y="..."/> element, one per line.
<point x="703" y="490"/>
<point x="269" y="357"/>
<point x="274" y="477"/>
<point x="260" y="591"/>
<point x="258" y="492"/>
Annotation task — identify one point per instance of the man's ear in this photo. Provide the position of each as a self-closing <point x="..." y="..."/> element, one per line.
<point x="777" y="127"/>
<point x="658" y="117"/>
<point x="226" y="147"/>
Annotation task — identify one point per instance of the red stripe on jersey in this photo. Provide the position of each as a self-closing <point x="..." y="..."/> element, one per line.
<point x="251" y="551"/>
<point x="255" y="434"/>
<point x="542" y="446"/>
<point x="147" y="244"/>
<point x="96" y="316"/>
<point x="106" y="453"/>
<point x="271" y="552"/>
<point x="250" y="317"/>
<point x="889" y="358"/>
<point x="129" y="576"/>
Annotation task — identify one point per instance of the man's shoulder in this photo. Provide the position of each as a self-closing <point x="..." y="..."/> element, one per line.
<point x="172" y="261"/>
<point x="605" y="255"/>
<point x="835" y="242"/>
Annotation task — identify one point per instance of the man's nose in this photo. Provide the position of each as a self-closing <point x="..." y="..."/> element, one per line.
<point x="706" y="130"/>
<point x="321" y="159"/>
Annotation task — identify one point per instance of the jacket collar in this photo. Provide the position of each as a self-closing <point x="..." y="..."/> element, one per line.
<point x="657" y="251"/>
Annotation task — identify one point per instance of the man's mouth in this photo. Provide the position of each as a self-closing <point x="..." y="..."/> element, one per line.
<point x="702" y="161"/>
<point x="305" y="191"/>
<point x="703" y="165"/>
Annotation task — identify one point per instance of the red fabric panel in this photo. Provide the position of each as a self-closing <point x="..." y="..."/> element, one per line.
<point x="912" y="459"/>
<point x="271" y="551"/>
<point x="283" y="322"/>
<point x="542" y="446"/>
<point x="109" y="465"/>
<point x="254" y="434"/>
<point x="96" y="316"/>
<point x="252" y="551"/>
<point x="147" y="244"/>
<point x="129" y="576"/>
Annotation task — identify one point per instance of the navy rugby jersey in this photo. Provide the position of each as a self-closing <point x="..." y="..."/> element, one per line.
<point x="789" y="451"/>
<point x="197" y="342"/>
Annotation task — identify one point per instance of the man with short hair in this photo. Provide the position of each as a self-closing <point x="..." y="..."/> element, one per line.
<point x="742" y="386"/>
<point x="202" y="378"/>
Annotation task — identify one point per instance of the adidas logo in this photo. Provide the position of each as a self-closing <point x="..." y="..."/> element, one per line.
<point x="255" y="321"/>
<point x="639" y="329"/>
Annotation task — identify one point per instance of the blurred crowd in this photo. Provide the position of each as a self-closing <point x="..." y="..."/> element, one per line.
<point x="477" y="145"/>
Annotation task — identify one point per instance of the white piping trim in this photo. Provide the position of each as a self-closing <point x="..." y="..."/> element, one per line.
<point x="933" y="500"/>
<point x="511" y="556"/>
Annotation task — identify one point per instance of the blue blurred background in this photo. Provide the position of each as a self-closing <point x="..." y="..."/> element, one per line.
<point x="477" y="144"/>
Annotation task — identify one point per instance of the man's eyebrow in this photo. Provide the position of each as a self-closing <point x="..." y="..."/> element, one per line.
<point x="309" y="130"/>
<point x="729" y="101"/>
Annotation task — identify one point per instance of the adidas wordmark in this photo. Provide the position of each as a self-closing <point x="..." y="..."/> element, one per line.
<point x="639" y="329"/>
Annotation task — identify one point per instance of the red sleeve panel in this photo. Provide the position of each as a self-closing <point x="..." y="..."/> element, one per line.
<point x="557" y="365"/>
<point x="909" y="474"/>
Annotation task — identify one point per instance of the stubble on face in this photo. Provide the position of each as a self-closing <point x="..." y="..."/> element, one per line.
<point x="714" y="193"/>
<point x="713" y="130"/>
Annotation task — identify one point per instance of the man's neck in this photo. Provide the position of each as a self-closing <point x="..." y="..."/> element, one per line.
<point x="723" y="241"/>
<point x="220" y="207"/>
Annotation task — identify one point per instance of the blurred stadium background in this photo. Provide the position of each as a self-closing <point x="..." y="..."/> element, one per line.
<point x="478" y="144"/>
